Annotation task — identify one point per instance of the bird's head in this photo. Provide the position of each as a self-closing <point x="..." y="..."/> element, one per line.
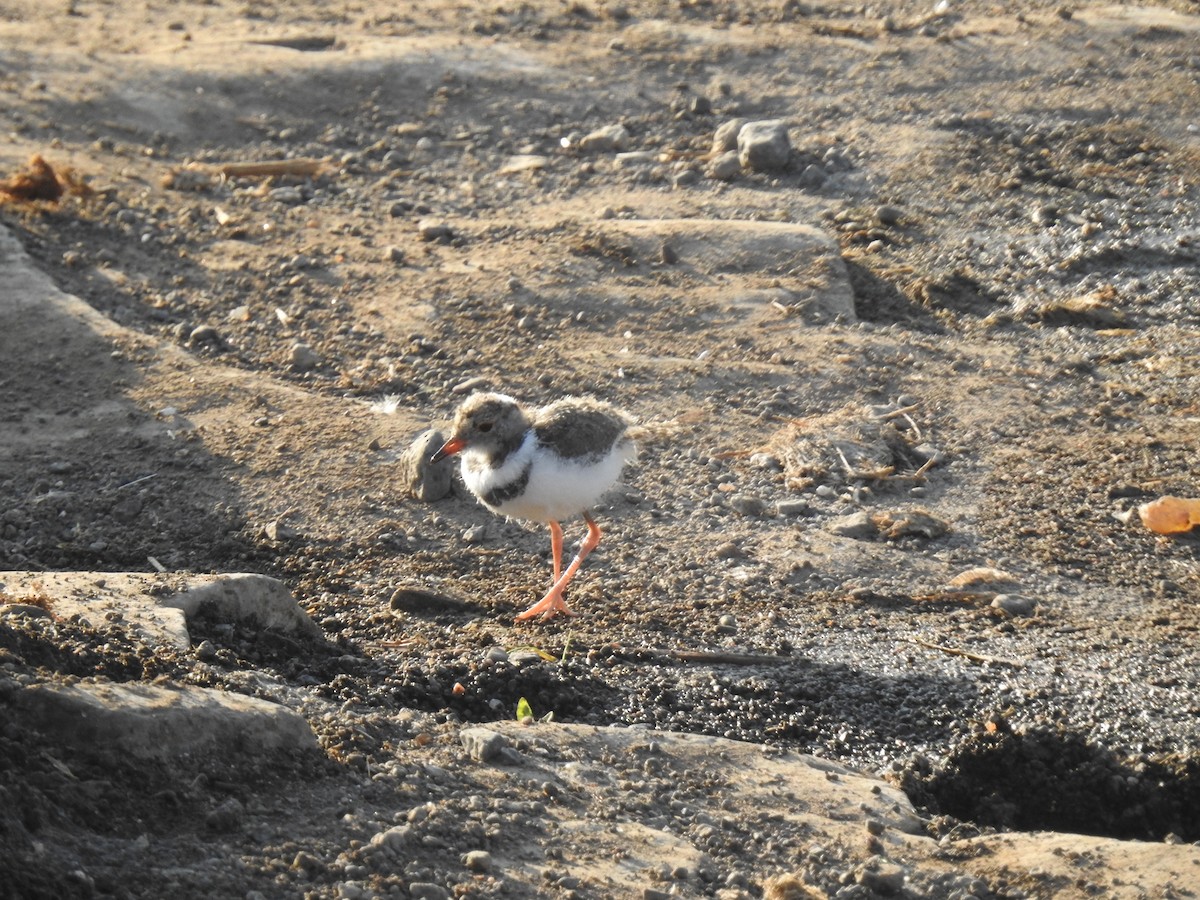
<point x="489" y="423"/>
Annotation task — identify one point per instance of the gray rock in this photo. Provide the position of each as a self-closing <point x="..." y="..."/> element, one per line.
<point x="258" y="600"/>
<point x="764" y="146"/>
<point x="725" y="167"/>
<point x="287" y="194"/>
<point x="393" y="839"/>
<point x="476" y="383"/>
<point x="482" y="744"/>
<point x="609" y="139"/>
<point x="188" y="726"/>
<point x="812" y="177"/>
<point x="278" y="531"/>
<point x="888" y="214"/>
<point x="476" y="534"/>
<point x="432" y="230"/>
<point x="422" y="478"/>
<point x="205" y="335"/>
<point x="424" y="890"/>
<point x="792" y="507"/>
<point x="1014" y="605"/>
<point x="880" y="876"/>
<point x="525" y="657"/>
<point x="747" y="504"/>
<point x="478" y="860"/>
<point x="24" y="609"/>
<point x="725" y="138"/>
<point x="857" y="525"/>
<point x="304" y="357"/>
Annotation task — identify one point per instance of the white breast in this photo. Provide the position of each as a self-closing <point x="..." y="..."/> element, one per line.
<point x="557" y="488"/>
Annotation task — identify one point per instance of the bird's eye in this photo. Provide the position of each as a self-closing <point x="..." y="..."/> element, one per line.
<point x="485" y="427"/>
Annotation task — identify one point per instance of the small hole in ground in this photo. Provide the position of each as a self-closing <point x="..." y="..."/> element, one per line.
<point x="1046" y="780"/>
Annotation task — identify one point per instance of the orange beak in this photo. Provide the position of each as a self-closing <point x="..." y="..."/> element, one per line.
<point x="452" y="446"/>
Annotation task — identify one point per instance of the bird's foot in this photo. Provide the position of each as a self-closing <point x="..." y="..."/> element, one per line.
<point x="548" y="607"/>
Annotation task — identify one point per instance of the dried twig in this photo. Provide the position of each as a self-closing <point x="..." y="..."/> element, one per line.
<point x="722" y="657"/>
<point x="304" y="166"/>
<point x="897" y="413"/>
<point x="967" y="654"/>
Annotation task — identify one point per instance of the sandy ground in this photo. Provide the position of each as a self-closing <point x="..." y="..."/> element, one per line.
<point x="908" y="391"/>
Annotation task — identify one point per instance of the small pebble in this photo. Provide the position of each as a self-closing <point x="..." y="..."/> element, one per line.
<point x="608" y="139"/>
<point x="764" y="146"/>
<point x="747" y="504"/>
<point x="888" y="215"/>
<point x="726" y="136"/>
<point x="725" y="167"/>
<point x="432" y="230"/>
<point x="791" y="507"/>
<point x="304" y="357"/>
<point x="204" y="334"/>
<point x="477" y="860"/>
<point x="1014" y="604"/>
<point x="476" y="534"/>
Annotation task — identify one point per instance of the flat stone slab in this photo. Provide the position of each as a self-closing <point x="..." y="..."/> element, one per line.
<point x="652" y="801"/>
<point x="156" y="608"/>
<point x="768" y="270"/>
<point x="153" y="722"/>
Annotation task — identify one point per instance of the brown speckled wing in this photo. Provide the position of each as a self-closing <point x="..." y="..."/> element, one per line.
<point x="577" y="430"/>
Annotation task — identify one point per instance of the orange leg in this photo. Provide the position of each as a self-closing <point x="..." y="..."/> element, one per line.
<point x="553" y="603"/>
<point x="556" y="549"/>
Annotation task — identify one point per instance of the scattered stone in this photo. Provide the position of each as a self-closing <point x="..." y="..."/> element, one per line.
<point x="634" y="158"/>
<point x="725" y="167"/>
<point x="496" y="655"/>
<point x="478" y="383"/>
<point x="287" y="194"/>
<point x="524" y="162"/>
<point x="476" y="534"/>
<point x="280" y="532"/>
<point x="858" y="525"/>
<point x="764" y="146"/>
<point x="881" y="876"/>
<point x="307" y="862"/>
<point x="407" y="601"/>
<point x="609" y="139"/>
<point x="812" y="177"/>
<point x="304" y="357"/>
<point x="435" y="230"/>
<point x="478" y="860"/>
<point x="259" y="600"/>
<point x="1014" y="605"/>
<point x="393" y="840"/>
<point x="424" y="479"/>
<point x="792" y="507"/>
<point x="424" y="890"/>
<point x="24" y="609"/>
<point x="482" y="744"/>
<point x="725" y="138"/>
<point x="186" y="725"/>
<point x="747" y="504"/>
<point x="888" y="215"/>
<point x="205" y="335"/>
<point x="394" y="254"/>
